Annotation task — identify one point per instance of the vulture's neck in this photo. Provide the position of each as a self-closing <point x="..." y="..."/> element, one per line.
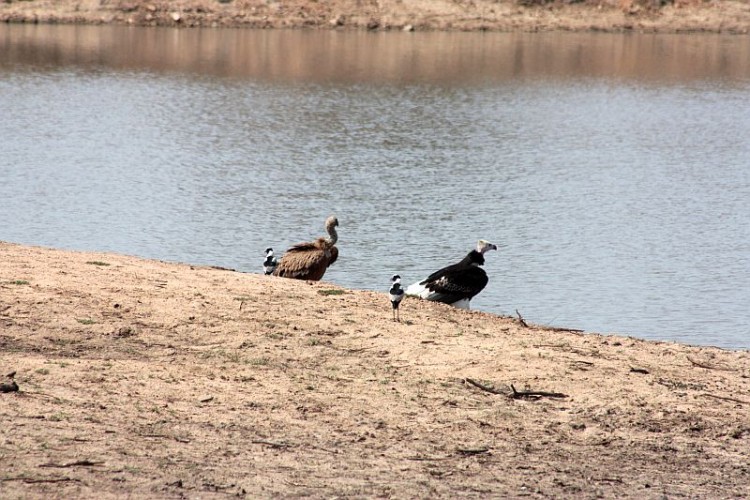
<point x="474" y="258"/>
<point x="333" y="236"/>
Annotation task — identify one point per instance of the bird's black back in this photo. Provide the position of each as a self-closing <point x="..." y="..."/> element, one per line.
<point x="462" y="280"/>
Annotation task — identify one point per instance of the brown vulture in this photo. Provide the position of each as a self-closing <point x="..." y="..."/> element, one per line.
<point x="309" y="260"/>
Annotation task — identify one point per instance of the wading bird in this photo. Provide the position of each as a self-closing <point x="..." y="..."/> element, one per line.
<point x="456" y="284"/>
<point x="309" y="260"/>
<point x="396" y="294"/>
<point x="269" y="265"/>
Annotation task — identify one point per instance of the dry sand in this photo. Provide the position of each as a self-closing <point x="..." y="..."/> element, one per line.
<point x="728" y="16"/>
<point x="142" y="378"/>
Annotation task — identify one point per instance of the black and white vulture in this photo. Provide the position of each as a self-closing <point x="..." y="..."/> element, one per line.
<point x="309" y="260"/>
<point x="456" y="284"/>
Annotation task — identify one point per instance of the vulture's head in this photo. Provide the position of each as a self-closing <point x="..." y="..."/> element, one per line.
<point x="484" y="245"/>
<point x="331" y="222"/>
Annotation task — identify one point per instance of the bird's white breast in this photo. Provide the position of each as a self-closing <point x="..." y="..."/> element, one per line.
<point x="462" y="304"/>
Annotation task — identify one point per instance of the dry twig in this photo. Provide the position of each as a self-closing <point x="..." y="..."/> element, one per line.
<point x="271" y="443"/>
<point x="32" y="480"/>
<point x="428" y="459"/>
<point x="521" y="320"/>
<point x="725" y="398"/>
<point x="77" y="463"/>
<point x="164" y="436"/>
<point x="484" y="387"/>
<point x="707" y="366"/>
<point x="535" y="394"/>
<point x="582" y="362"/>
<point x="473" y="451"/>
<point x="560" y="329"/>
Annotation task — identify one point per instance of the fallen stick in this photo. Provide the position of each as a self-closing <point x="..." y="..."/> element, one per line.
<point x="548" y="328"/>
<point x="521" y="320"/>
<point x="561" y="329"/>
<point x="535" y="394"/>
<point x="484" y="387"/>
<point x="582" y="362"/>
<point x="516" y="394"/>
<point x="707" y="366"/>
<point x="219" y="268"/>
<point x="32" y="393"/>
<point x="356" y="349"/>
<point x="725" y="398"/>
<point x="472" y="451"/>
<point x="569" y="348"/>
<point x="77" y="463"/>
<point x="271" y="444"/>
<point x="164" y="436"/>
<point x="31" y="480"/>
<point x="333" y="452"/>
<point x="300" y="485"/>
<point x="428" y="459"/>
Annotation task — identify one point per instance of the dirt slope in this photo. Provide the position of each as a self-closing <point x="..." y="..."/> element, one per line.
<point x="151" y="379"/>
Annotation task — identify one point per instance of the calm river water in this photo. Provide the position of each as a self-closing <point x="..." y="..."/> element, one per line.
<point x="613" y="170"/>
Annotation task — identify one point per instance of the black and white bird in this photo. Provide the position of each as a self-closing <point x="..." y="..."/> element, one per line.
<point x="456" y="284"/>
<point x="396" y="294"/>
<point x="269" y="265"/>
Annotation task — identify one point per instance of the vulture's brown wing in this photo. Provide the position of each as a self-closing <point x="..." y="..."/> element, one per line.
<point x="334" y="255"/>
<point x="304" y="261"/>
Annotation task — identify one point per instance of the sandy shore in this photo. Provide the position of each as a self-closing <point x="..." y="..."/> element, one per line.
<point x="150" y="379"/>
<point x="716" y="16"/>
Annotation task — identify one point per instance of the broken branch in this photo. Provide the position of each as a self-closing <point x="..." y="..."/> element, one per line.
<point x="521" y="320"/>
<point x="271" y="443"/>
<point x="473" y="451"/>
<point x="164" y="436"/>
<point x="725" y="398"/>
<point x="484" y="387"/>
<point x="31" y="480"/>
<point x="707" y="366"/>
<point x="77" y="463"/>
<point x="535" y="394"/>
<point x="561" y="329"/>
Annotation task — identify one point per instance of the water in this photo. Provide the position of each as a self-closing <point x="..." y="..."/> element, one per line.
<point x="613" y="170"/>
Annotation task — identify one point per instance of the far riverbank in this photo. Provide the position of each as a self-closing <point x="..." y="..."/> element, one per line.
<point x="482" y="15"/>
